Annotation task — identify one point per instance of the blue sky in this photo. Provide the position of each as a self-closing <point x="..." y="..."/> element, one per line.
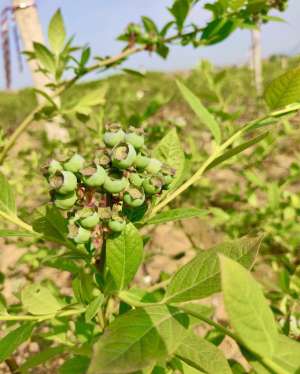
<point x="98" y="22"/>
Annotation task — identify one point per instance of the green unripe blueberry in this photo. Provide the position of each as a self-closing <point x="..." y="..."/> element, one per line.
<point x="79" y="234"/>
<point x="116" y="225"/>
<point x="115" y="185"/>
<point x="154" y="166"/>
<point x="136" y="180"/>
<point x="167" y="179"/>
<point x="113" y="136"/>
<point x="54" y="166"/>
<point x="134" y="197"/>
<point x="90" y="221"/>
<point x="123" y="156"/>
<point x="74" y="164"/>
<point x="65" y="201"/>
<point x="94" y="177"/>
<point x="63" y="182"/>
<point x="134" y="139"/>
<point x="141" y="161"/>
<point x="152" y="185"/>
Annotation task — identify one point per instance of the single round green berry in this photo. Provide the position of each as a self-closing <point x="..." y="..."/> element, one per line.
<point x="114" y="185"/>
<point x="54" y="166"/>
<point x="74" y="164"/>
<point x="79" y="234"/>
<point x="134" y="139"/>
<point x="113" y="136"/>
<point x="134" y="197"/>
<point x="90" y="221"/>
<point x="152" y="185"/>
<point x="116" y="225"/>
<point x="63" y="182"/>
<point x="141" y="161"/>
<point x="136" y="180"/>
<point x="123" y="156"/>
<point x="154" y="166"/>
<point x="65" y="202"/>
<point x="94" y="177"/>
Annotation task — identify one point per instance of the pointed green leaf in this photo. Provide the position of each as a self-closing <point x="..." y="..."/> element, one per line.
<point x="169" y="150"/>
<point x="138" y="339"/>
<point x="93" y="308"/>
<point x="180" y="10"/>
<point x="52" y="225"/>
<point x="124" y="254"/>
<point x="247" y="308"/>
<point x="14" y="339"/>
<point x="202" y="355"/>
<point x="200" y="277"/>
<point x="7" y="198"/>
<point x="38" y="300"/>
<point x="284" y="90"/>
<point x="287" y="353"/>
<point x="12" y="233"/>
<point x="75" y="365"/>
<point x="39" y="358"/>
<point x="202" y="113"/>
<point x="236" y="150"/>
<point x="175" y="215"/>
<point x="44" y="57"/>
<point x="57" y="33"/>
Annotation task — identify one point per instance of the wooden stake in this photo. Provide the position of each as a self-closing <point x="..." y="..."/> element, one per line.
<point x="257" y="60"/>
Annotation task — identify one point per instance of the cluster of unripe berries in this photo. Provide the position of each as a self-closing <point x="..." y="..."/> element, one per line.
<point x="96" y="195"/>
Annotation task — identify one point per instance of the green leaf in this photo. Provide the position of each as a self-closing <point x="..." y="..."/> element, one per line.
<point x="218" y="29"/>
<point x="93" y="308"/>
<point x="76" y="365"/>
<point x="14" y="339"/>
<point x="284" y="90"/>
<point x="236" y="150"/>
<point x="202" y="355"/>
<point x="180" y="10"/>
<point x="38" y="300"/>
<point x="149" y="25"/>
<point x="139" y="339"/>
<point x="57" y="33"/>
<point x="136" y="73"/>
<point x="200" y="277"/>
<point x="11" y="233"/>
<point x="7" y="198"/>
<point x="124" y="254"/>
<point x="53" y="226"/>
<point x="83" y="286"/>
<point x="44" y="57"/>
<point x="202" y="113"/>
<point x="247" y="309"/>
<point x="169" y="150"/>
<point x="84" y="104"/>
<point x="41" y="357"/>
<point x="287" y="353"/>
<point x="175" y="215"/>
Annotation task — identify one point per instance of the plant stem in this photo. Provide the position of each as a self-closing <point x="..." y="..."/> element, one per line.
<point x="195" y="178"/>
<point x="208" y="321"/>
<point x="43" y="317"/>
<point x="19" y="130"/>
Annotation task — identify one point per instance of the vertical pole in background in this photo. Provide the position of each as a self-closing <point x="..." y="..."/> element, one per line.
<point x="257" y="60"/>
<point x="29" y="26"/>
<point x="30" y="29"/>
